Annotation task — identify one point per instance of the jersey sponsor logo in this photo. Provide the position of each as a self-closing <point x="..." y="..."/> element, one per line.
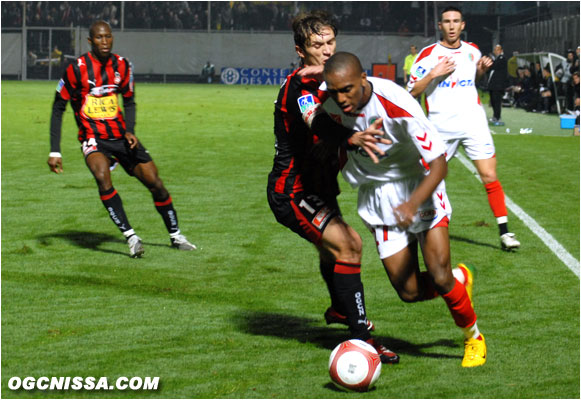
<point x="427" y="215"/>
<point x="105" y="107"/>
<point x="420" y="71"/>
<point x="60" y="86"/>
<point x="306" y="102"/>
<point x="456" y="83"/>
<point x="102" y="90"/>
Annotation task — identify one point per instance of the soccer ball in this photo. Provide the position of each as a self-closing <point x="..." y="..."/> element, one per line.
<point x="354" y="365"/>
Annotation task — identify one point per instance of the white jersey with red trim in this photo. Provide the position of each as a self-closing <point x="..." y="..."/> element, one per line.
<point x="413" y="136"/>
<point x="452" y="101"/>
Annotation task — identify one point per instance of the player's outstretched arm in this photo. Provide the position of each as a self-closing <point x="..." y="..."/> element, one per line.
<point x="369" y="138"/>
<point x="444" y="68"/>
<point x="55" y="159"/>
<point x="405" y="212"/>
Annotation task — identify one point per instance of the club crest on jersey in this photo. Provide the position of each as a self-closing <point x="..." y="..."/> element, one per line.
<point x="470" y="57"/>
<point x="306" y="102"/>
<point x="117" y="78"/>
<point x="103" y="90"/>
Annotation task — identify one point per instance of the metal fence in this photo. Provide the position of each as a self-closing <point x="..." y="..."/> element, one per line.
<point x="556" y="36"/>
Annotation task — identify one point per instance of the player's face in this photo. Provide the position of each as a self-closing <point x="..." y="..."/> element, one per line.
<point x="451" y="27"/>
<point x="413" y="50"/>
<point x="319" y="48"/>
<point x="348" y="89"/>
<point x="101" y="41"/>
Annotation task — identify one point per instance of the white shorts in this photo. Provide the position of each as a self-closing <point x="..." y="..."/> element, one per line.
<point x="477" y="146"/>
<point x="376" y="204"/>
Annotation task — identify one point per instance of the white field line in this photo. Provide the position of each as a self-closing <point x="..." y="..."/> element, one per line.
<point x="571" y="262"/>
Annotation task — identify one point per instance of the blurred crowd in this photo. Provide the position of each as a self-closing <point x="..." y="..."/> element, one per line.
<point x="533" y="87"/>
<point x="234" y="15"/>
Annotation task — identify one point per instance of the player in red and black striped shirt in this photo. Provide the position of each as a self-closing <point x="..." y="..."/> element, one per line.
<point x="302" y="186"/>
<point x="92" y="84"/>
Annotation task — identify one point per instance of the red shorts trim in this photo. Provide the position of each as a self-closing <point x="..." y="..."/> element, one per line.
<point x="444" y="222"/>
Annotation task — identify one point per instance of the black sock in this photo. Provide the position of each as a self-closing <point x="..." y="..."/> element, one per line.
<point x="169" y="215"/>
<point x="114" y="206"/>
<point x="327" y="271"/>
<point x="503" y="228"/>
<point x="349" y="289"/>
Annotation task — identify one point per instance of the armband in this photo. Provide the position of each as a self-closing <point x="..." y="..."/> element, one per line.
<point x="55" y="154"/>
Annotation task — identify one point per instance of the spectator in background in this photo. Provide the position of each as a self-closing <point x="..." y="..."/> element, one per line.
<point x="546" y="92"/>
<point x="208" y="72"/>
<point x="566" y="79"/>
<point x="408" y="62"/>
<point x="576" y="101"/>
<point x="497" y="83"/>
<point x="56" y="56"/>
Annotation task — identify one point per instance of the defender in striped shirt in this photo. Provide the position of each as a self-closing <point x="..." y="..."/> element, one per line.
<point x="92" y="84"/>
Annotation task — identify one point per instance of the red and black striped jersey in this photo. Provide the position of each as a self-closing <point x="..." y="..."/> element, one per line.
<point x="299" y="124"/>
<point x="93" y="88"/>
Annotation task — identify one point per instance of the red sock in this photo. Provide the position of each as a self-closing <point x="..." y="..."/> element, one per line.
<point x="459" y="304"/>
<point x="496" y="199"/>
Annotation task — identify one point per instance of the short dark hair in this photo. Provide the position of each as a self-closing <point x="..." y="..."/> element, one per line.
<point x="94" y="26"/>
<point x="451" y="8"/>
<point x="305" y="24"/>
<point x="342" y="60"/>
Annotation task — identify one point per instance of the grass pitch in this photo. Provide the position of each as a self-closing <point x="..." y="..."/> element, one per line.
<point x="242" y="317"/>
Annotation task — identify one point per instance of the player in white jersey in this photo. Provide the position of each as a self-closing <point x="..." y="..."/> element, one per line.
<point x="447" y="72"/>
<point x="401" y="201"/>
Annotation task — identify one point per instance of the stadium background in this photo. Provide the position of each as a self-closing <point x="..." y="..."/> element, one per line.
<point x="183" y="36"/>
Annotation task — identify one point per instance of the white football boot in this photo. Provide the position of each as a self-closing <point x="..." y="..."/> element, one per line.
<point x="180" y="242"/>
<point x="509" y="242"/>
<point x="136" y="249"/>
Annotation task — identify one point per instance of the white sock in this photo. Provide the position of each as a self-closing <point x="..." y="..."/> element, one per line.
<point x="471" y="331"/>
<point x="459" y="275"/>
<point x="129" y="233"/>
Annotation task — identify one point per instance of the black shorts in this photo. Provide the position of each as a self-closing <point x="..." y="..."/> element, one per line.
<point x="306" y="214"/>
<point x="117" y="151"/>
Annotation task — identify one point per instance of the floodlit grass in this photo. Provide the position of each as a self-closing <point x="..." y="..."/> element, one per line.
<point x="242" y="317"/>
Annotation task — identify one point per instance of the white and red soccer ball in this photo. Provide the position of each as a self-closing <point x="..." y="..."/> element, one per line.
<point x="354" y="365"/>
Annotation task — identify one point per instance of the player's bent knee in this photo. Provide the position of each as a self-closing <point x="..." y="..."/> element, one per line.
<point x="409" y="297"/>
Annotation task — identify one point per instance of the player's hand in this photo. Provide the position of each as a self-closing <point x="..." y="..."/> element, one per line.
<point x="484" y="64"/>
<point x="444" y="67"/>
<point x="404" y="214"/>
<point x="312" y="71"/>
<point x="369" y="138"/>
<point x="55" y="164"/>
<point x="132" y="139"/>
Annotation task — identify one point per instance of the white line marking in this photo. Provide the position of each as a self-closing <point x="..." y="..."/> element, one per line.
<point x="571" y="262"/>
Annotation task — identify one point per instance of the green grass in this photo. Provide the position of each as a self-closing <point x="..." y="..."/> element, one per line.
<point x="242" y="317"/>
